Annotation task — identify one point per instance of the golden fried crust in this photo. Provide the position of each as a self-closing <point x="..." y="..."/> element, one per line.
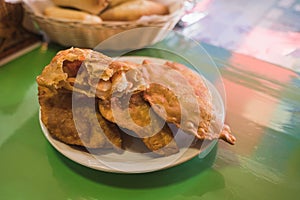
<point x="162" y="143"/>
<point x="105" y="110"/>
<point x="182" y="99"/>
<point x="166" y="104"/>
<point x="156" y="135"/>
<point x="57" y="115"/>
<point x="202" y="94"/>
<point x="53" y="75"/>
<point x="195" y="81"/>
<point x="90" y="65"/>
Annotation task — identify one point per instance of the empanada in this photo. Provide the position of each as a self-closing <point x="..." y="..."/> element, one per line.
<point x="90" y="6"/>
<point x="133" y="10"/>
<point x="137" y="116"/>
<point x="70" y="14"/>
<point x="58" y="116"/>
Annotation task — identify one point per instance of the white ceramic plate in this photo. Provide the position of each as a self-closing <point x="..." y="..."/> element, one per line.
<point x="129" y="161"/>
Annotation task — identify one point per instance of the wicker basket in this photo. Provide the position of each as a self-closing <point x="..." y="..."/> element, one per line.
<point x="87" y="35"/>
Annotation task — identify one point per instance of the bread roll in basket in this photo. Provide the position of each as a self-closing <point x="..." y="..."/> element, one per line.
<point x="87" y="34"/>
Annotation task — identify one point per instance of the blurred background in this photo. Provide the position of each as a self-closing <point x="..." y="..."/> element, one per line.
<point x="266" y="30"/>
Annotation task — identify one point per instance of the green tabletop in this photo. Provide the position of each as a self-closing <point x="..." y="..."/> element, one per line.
<point x="262" y="107"/>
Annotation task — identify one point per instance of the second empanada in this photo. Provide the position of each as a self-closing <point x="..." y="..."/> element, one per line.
<point x="133" y="10"/>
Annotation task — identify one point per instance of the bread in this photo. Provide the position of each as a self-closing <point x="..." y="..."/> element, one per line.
<point x="69" y="14"/>
<point x="113" y="3"/>
<point x="91" y="6"/>
<point x="133" y="10"/>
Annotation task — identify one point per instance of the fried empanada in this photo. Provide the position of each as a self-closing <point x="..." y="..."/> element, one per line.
<point x="59" y="13"/>
<point x="58" y="116"/>
<point x="134" y="113"/>
<point x="82" y="70"/>
<point x="188" y="104"/>
<point x="90" y="6"/>
<point x="133" y="10"/>
<point x="100" y="94"/>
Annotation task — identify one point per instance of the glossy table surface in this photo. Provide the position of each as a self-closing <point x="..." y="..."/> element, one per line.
<point x="262" y="108"/>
